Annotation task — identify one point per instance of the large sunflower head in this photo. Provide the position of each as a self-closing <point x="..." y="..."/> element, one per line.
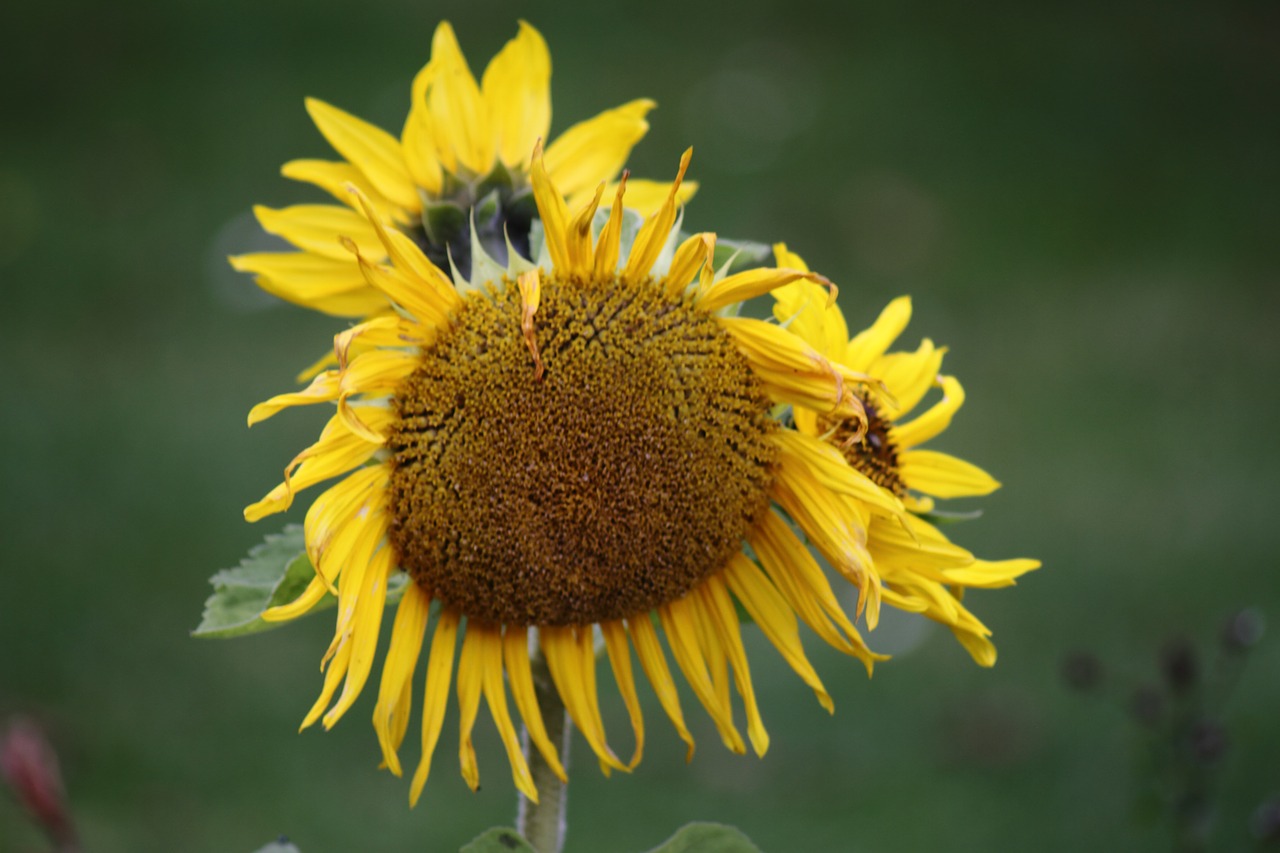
<point x="918" y="568"/>
<point x="572" y="447"/>
<point x="456" y="177"/>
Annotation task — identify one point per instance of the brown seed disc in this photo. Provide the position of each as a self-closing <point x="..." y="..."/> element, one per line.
<point x="617" y="481"/>
<point x="875" y="454"/>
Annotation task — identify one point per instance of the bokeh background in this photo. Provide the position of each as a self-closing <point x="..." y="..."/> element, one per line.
<point x="1082" y="200"/>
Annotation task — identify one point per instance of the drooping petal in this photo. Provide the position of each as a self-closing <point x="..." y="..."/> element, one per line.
<point x="436" y="700"/>
<point x="654" y="663"/>
<point x="680" y="626"/>
<point x="615" y="640"/>
<point x="777" y="621"/>
<point x="391" y="715"/>
<point x="520" y="674"/>
<point x="717" y="610"/>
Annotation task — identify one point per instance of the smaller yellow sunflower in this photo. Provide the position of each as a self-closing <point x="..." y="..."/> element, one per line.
<point x="456" y="178"/>
<point x="919" y="569"/>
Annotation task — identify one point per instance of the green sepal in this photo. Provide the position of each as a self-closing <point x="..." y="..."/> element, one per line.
<point x="746" y="255"/>
<point x="707" y="838"/>
<point x="941" y="518"/>
<point x="443" y="222"/>
<point x="500" y="839"/>
<point x="275" y="572"/>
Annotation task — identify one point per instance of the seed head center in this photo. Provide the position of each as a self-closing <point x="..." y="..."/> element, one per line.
<point x="624" y="474"/>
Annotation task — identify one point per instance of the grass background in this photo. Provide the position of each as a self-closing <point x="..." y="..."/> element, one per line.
<point x="1082" y="200"/>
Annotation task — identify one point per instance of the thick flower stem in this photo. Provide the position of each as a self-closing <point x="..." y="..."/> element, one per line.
<point x="543" y="823"/>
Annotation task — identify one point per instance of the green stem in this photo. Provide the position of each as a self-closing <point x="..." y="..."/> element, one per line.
<point x="543" y="823"/>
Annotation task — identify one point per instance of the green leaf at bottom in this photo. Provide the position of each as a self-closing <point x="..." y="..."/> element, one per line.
<point x="707" y="838"/>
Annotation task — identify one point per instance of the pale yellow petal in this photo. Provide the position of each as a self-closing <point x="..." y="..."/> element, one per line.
<point x="334" y="177"/>
<point x="517" y="92"/>
<point x="908" y="376"/>
<point x="324" y="284"/>
<point x="470" y="682"/>
<point x="376" y="153"/>
<point x="318" y="227"/>
<point x="596" y="149"/>
<point x="643" y="196"/>
<point x="552" y="210"/>
<point x="457" y="108"/>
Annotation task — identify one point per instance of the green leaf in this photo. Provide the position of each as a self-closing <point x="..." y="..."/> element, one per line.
<point x="941" y="518"/>
<point x="274" y="573"/>
<point x="500" y="839"/>
<point x="707" y="838"/>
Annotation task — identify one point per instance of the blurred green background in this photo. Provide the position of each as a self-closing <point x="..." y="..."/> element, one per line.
<point x="1081" y="199"/>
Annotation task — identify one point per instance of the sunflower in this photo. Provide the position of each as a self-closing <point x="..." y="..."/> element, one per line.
<point x="581" y="447"/>
<point x="457" y="177"/>
<point x="918" y="568"/>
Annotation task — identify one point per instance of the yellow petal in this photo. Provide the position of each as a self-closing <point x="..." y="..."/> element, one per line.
<point x="802" y="584"/>
<point x="693" y="253"/>
<point x="376" y="153"/>
<point x="517" y="92"/>
<point x="609" y="241"/>
<point x="578" y="237"/>
<point x="552" y="209"/>
<point x="336" y="452"/>
<point x="615" y="640"/>
<point x="750" y="283"/>
<point x="520" y="674"/>
<point x="323" y="389"/>
<point x="933" y="421"/>
<point x="457" y="108"/>
<point x="470" y="682"/>
<point x="678" y="621"/>
<point x="596" y="149"/>
<point x="334" y="178"/>
<point x="329" y="285"/>
<point x="871" y="343"/>
<point x="318" y="227"/>
<point x="656" y="231"/>
<point x="717" y="608"/>
<point x="369" y="605"/>
<point x="643" y="196"/>
<point x="571" y="659"/>
<point x="436" y="700"/>
<point x="908" y="376"/>
<point x="495" y="695"/>
<point x="391" y="715"/>
<point x="654" y="663"/>
<point x="944" y="476"/>
<point x="777" y="622"/>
